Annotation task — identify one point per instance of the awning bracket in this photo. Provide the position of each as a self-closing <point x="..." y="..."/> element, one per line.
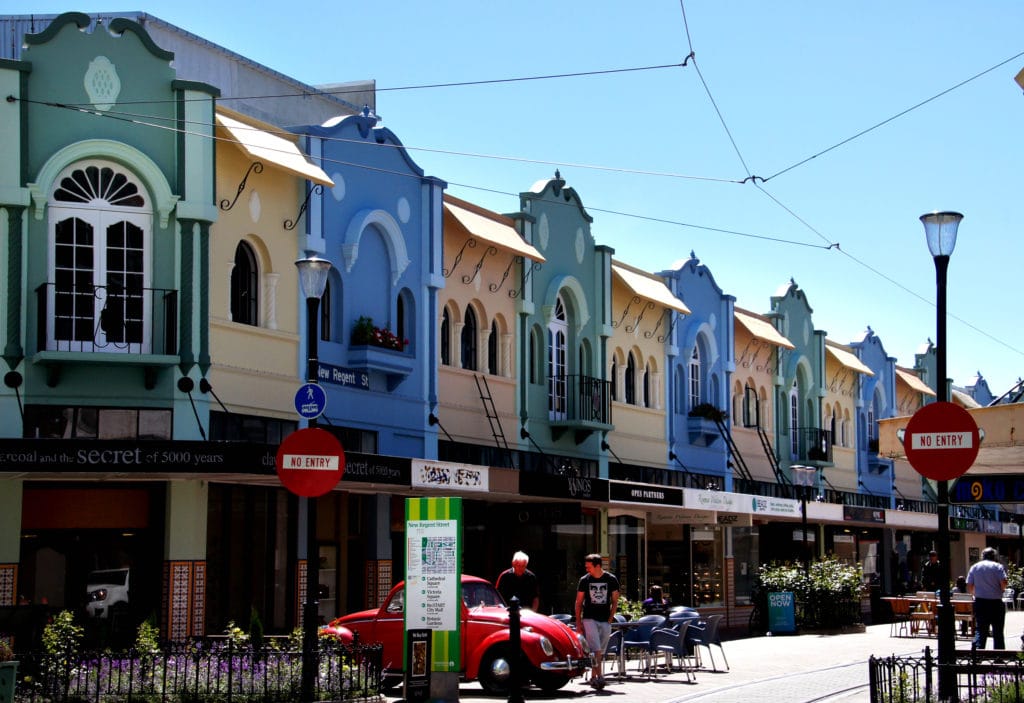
<point x="490" y="250"/>
<point x="447" y="272"/>
<point x="319" y="190"/>
<point x="536" y="266"/>
<point x="616" y="323"/>
<point x="255" y="166"/>
<point x="636" y="323"/>
<point x="671" y="326"/>
<point x="495" y="287"/>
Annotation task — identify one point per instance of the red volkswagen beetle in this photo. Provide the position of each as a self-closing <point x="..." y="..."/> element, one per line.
<point x="555" y="652"/>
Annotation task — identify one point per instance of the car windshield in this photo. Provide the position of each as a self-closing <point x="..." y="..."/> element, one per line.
<point x="114" y="577"/>
<point x="477" y="593"/>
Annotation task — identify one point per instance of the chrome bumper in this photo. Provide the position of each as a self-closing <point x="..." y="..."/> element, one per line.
<point x="569" y="665"/>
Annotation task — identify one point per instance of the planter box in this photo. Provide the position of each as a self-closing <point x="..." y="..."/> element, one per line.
<point x="8" y="675"/>
<point x="703" y="432"/>
<point x="393" y="364"/>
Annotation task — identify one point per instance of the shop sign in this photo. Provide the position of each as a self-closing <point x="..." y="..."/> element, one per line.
<point x="444" y="474"/>
<point x="712" y="500"/>
<point x="136" y="456"/>
<point x="775" y="507"/>
<point x="627" y="492"/>
<point x="988" y="488"/>
<point x="965" y="524"/>
<point x="1011" y="528"/>
<point x="798" y="534"/>
<point x="376" y="468"/>
<point x="683" y="517"/>
<point x="735" y="519"/>
<point x="991" y="527"/>
<point x="905" y="518"/>
<point x="563" y="487"/>
<point x="861" y="514"/>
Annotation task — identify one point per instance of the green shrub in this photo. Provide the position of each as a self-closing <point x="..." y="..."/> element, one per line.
<point x="828" y="595"/>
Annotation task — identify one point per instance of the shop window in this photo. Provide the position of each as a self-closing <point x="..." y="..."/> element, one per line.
<point x="745" y="562"/>
<point x="81" y="422"/>
<point x="707" y="557"/>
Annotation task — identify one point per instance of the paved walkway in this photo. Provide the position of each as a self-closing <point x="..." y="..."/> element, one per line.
<point x="792" y="668"/>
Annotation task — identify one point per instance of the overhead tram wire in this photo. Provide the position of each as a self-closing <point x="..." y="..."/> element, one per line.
<point x="426" y="86"/>
<point x="895" y="117"/>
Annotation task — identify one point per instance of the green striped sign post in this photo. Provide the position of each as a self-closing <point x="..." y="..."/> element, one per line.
<point x="433" y="576"/>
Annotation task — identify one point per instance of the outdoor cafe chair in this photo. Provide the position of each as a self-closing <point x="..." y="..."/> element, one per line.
<point x="637" y="638"/>
<point x="671" y="642"/>
<point x="707" y="635"/>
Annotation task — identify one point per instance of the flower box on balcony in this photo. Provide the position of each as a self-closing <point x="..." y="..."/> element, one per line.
<point x="395" y="365"/>
<point x="703" y="432"/>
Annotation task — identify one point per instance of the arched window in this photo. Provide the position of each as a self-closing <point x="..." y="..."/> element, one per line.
<point x="400" y="318"/>
<point x="325" y="313"/>
<point x="534" y="361"/>
<point x="614" y="378"/>
<point x="446" y="338"/>
<point x="558" y="332"/>
<point x="469" y="337"/>
<point x="647" y="386"/>
<point x="492" y="350"/>
<point x="245" y="286"/>
<point x="694" y="377"/>
<point x="100" y="232"/>
<point x="835" y="425"/>
<point x="750" y="409"/>
<point x="794" y="422"/>
<point x="630" y="379"/>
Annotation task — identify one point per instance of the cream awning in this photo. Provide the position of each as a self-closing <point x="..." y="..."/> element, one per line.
<point x="763" y="330"/>
<point x="849" y="360"/>
<point x="502" y="235"/>
<point x="914" y="382"/>
<point x="264" y="146"/>
<point x="650" y="289"/>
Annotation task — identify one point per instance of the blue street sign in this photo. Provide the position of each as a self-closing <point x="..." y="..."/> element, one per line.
<point x="310" y="401"/>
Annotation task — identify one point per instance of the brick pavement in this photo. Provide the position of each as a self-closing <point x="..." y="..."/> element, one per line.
<point x="790" y="667"/>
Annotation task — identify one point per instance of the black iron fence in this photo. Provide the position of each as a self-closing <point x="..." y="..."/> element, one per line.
<point x="204" y="671"/>
<point x="982" y="676"/>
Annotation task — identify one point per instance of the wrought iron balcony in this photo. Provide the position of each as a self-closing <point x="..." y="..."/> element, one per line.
<point x="113" y="319"/>
<point x="813" y="446"/>
<point x="580" y="403"/>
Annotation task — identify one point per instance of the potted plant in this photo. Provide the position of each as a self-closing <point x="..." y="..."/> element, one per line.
<point x="365" y="334"/>
<point x="8" y="671"/>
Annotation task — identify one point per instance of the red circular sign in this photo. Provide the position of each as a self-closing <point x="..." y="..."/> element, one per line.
<point x="310" y="462"/>
<point x="941" y="441"/>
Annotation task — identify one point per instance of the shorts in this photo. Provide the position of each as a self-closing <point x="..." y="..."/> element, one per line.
<point x="597" y="633"/>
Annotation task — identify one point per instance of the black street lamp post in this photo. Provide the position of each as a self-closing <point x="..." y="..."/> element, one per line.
<point x="940" y="230"/>
<point x="312" y="283"/>
<point x="804" y="476"/>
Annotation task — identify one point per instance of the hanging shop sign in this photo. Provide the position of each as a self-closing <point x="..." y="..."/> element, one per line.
<point x="449" y="476"/>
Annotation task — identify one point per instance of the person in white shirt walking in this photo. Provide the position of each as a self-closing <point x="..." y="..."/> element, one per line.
<point x="987" y="581"/>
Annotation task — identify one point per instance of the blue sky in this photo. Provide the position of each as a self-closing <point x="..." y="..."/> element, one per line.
<point x="790" y="80"/>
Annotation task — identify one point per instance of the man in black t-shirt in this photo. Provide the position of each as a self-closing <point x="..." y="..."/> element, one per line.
<point x="931" y="573"/>
<point x="519" y="582"/>
<point x="597" y="597"/>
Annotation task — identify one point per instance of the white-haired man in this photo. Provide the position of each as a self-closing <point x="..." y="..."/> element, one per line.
<point x="520" y="582"/>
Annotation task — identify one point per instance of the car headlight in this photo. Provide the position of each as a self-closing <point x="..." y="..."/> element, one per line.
<point x="545" y="645"/>
<point x="98" y="594"/>
<point x="584" y="645"/>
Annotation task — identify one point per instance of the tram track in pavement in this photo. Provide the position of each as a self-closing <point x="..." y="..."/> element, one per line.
<point x="839" y="682"/>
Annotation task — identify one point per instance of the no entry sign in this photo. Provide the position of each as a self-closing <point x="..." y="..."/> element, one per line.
<point x="941" y="441"/>
<point x="310" y="462"/>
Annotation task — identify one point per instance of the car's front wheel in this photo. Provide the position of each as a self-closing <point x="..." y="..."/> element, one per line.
<point x="549" y="681"/>
<point x="495" y="671"/>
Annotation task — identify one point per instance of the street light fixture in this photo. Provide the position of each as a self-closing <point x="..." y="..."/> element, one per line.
<point x="804" y="476"/>
<point x="940" y="230"/>
<point x="313" y="273"/>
